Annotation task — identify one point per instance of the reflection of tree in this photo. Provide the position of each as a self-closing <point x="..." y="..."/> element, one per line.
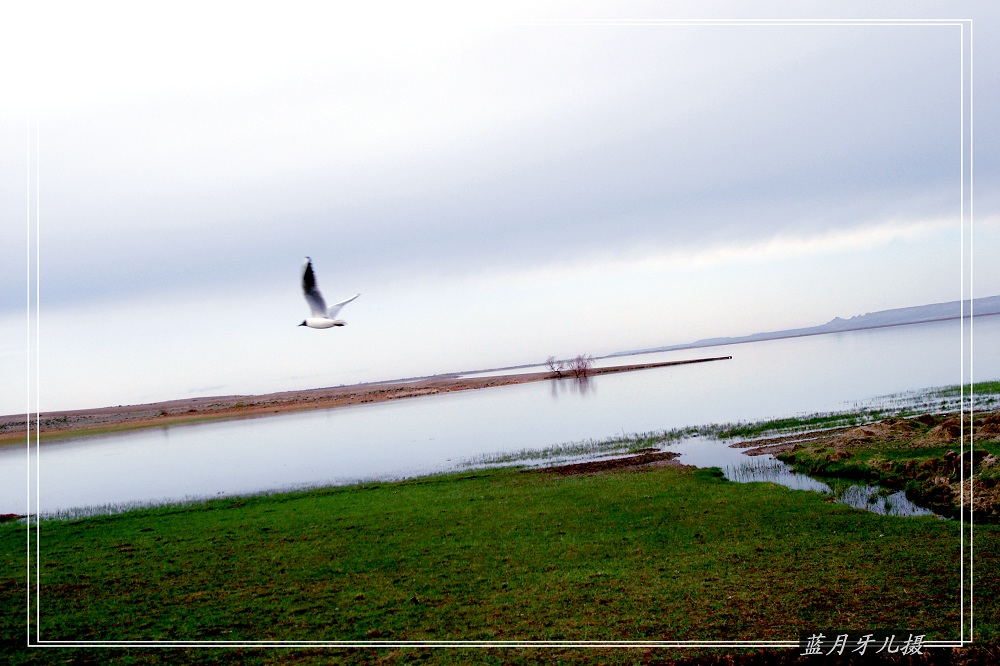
<point x="578" y="385"/>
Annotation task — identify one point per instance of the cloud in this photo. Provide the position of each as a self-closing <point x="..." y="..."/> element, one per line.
<point x="451" y="151"/>
<point x="434" y="157"/>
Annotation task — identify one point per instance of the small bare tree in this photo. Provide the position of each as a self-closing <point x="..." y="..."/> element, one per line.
<point x="555" y="366"/>
<point x="581" y="365"/>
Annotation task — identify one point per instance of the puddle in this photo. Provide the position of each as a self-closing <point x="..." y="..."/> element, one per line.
<point x="764" y="467"/>
<point x="773" y="470"/>
<point x="877" y="500"/>
<point x="860" y="496"/>
<point x="706" y="451"/>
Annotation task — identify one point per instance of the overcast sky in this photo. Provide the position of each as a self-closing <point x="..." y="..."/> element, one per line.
<point x="501" y="185"/>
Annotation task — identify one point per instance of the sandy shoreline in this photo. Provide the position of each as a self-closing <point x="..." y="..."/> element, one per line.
<point x="77" y="423"/>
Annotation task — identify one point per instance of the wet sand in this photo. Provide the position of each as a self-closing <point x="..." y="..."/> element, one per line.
<point x="77" y="423"/>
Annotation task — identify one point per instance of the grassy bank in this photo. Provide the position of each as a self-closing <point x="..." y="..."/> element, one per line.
<point x="924" y="456"/>
<point x="658" y="553"/>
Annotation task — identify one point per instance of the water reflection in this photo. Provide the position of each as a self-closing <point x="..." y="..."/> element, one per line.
<point x="736" y="465"/>
<point x="879" y="500"/>
<point x="433" y="434"/>
<point x="571" y="386"/>
<point x="741" y="468"/>
<point x="859" y="496"/>
<point x="771" y="470"/>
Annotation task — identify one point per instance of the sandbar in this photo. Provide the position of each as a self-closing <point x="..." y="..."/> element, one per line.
<point x="97" y="421"/>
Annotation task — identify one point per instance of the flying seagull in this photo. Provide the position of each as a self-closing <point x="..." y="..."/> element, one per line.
<point x="322" y="316"/>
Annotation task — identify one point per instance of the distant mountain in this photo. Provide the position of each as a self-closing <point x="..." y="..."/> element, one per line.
<point x="989" y="305"/>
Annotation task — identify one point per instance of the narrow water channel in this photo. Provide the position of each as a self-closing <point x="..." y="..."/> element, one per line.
<point x="705" y="452"/>
<point x="742" y="468"/>
<point x="852" y="493"/>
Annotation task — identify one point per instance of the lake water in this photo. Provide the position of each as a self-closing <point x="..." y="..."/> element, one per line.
<point x="439" y="433"/>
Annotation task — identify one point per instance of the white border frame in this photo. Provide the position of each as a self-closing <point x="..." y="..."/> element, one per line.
<point x="33" y="416"/>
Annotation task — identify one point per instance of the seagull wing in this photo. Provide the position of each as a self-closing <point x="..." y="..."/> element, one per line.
<point x="335" y="308"/>
<point x="309" y="289"/>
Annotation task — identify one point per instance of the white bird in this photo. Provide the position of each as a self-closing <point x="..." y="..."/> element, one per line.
<point x="322" y="316"/>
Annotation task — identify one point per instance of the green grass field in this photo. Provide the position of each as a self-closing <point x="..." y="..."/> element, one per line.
<point x="652" y="554"/>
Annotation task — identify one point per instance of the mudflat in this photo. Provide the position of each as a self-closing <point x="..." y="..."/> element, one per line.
<point x="82" y="422"/>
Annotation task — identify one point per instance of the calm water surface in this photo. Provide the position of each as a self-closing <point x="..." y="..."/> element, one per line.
<point x="437" y="433"/>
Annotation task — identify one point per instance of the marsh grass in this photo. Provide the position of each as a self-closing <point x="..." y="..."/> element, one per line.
<point x="981" y="395"/>
<point x="899" y="405"/>
<point x="584" y="448"/>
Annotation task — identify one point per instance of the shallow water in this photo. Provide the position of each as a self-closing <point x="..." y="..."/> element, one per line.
<point x="436" y="433"/>
<point x="739" y="467"/>
<point x="766" y="468"/>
